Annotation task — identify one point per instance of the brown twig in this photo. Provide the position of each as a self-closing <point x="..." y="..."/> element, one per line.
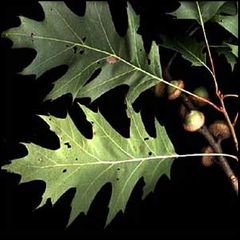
<point x="231" y="127"/>
<point x="218" y="92"/>
<point x="235" y="119"/>
<point x="221" y="160"/>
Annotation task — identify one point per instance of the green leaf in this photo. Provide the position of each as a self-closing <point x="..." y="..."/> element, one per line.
<point x="87" y="164"/>
<point x="230" y="52"/>
<point x="230" y="23"/>
<point x="86" y="44"/>
<point x="214" y="11"/>
<point x="188" y="10"/>
<point x="190" y="49"/>
<point x="229" y="8"/>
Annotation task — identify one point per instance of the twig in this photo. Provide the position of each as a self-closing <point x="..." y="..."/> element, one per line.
<point x="230" y="95"/>
<point x="221" y="160"/>
<point x="218" y="92"/>
<point x="208" y="49"/>
<point x="235" y="119"/>
<point x="231" y="127"/>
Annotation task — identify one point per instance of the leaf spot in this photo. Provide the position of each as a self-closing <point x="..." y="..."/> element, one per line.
<point x="111" y="60"/>
<point x="76" y="159"/>
<point x="146" y="138"/>
<point x="68" y="144"/>
<point x="84" y="39"/>
<point x="64" y="170"/>
<point x="118" y="169"/>
<point x="150" y="153"/>
<point x="149" y="61"/>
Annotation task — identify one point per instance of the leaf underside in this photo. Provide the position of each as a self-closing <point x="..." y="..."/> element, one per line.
<point x="87" y="164"/>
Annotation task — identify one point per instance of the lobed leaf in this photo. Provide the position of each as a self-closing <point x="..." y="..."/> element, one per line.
<point x="87" y="164"/>
<point x="87" y="44"/>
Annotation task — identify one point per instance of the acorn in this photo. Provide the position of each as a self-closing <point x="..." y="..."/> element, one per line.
<point x="220" y="130"/>
<point x="207" y="161"/>
<point x="159" y="89"/>
<point x="173" y="92"/>
<point x="201" y="92"/>
<point x="193" y="121"/>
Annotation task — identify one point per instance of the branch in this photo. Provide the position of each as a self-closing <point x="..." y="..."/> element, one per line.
<point x="221" y="160"/>
<point x="217" y="91"/>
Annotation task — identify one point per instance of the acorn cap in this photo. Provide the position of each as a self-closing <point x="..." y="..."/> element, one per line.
<point x="207" y="161"/>
<point x="159" y="89"/>
<point x="193" y="121"/>
<point x="220" y="130"/>
<point x="173" y="92"/>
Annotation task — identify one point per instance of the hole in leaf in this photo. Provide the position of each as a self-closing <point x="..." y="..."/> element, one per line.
<point x="150" y="154"/>
<point x="94" y="75"/>
<point x="67" y="144"/>
<point x="64" y="170"/>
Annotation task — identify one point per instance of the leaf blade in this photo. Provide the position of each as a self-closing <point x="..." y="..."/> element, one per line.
<point x="108" y="157"/>
<point x="84" y="44"/>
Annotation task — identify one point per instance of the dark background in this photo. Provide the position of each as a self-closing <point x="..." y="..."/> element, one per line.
<point x="197" y="203"/>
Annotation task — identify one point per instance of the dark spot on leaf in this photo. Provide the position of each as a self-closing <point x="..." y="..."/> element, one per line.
<point x="118" y="169"/>
<point x="98" y="62"/>
<point x="149" y="61"/>
<point x="68" y="144"/>
<point x="92" y="122"/>
<point x="64" y="170"/>
<point x="94" y="132"/>
<point x="50" y="9"/>
<point x="76" y="159"/>
<point x="84" y="39"/>
<point x="150" y="153"/>
<point x="117" y="179"/>
<point x="67" y="45"/>
<point x="75" y="49"/>
<point x="146" y="138"/>
<point x="140" y="49"/>
<point x="81" y="52"/>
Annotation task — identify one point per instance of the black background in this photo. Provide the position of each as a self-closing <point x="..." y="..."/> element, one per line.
<point x="197" y="203"/>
